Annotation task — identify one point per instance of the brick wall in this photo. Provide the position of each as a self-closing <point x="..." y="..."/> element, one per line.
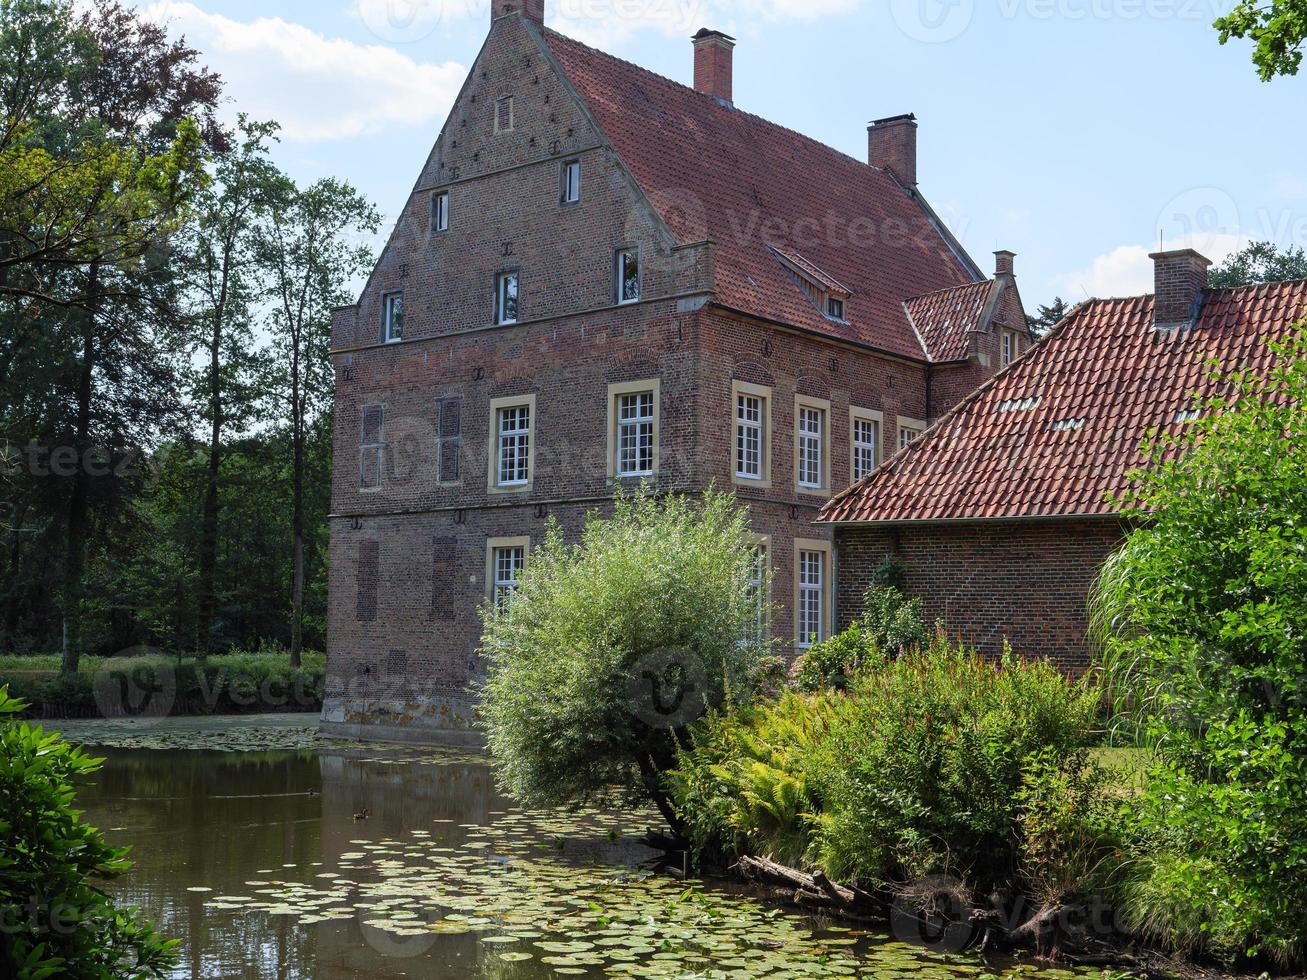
<point x="1026" y="582"/>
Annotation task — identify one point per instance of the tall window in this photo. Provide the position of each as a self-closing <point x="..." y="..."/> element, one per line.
<point x="758" y="593"/>
<point x="515" y="446"/>
<point x="508" y="564"/>
<point x="392" y="314"/>
<point x="811" y="426"/>
<point x="504" y="115"/>
<point x="371" y="447"/>
<point x="571" y="181"/>
<point x="506" y="298"/>
<point x="865" y="440"/>
<point x="628" y="275"/>
<point x="811" y="607"/>
<point x="749" y="411"/>
<point x="1009" y="347"/>
<point x="635" y="434"/>
<point x="440" y="211"/>
<point x="449" y="440"/>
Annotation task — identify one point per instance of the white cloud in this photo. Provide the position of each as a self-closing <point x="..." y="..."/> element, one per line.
<point x="1128" y="271"/>
<point x="318" y="88"/>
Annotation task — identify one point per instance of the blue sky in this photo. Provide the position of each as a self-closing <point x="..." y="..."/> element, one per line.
<point x="1074" y="132"/>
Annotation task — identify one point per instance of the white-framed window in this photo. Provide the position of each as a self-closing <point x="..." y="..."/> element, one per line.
<point x="571" y="182"/>
<point x="392" y="317"/>
<point x="910" y="431"/>
<point x="864" y="441"/>
<point x="1009" y="347"/>
<point x="440" y="212"/>
<point x="758" y="591"/>
<point x="633" y="429"/>
<point x="372" y="446"/>
<point x="506" y="559"/>
<point x="811" y="592"/>
<point x="751" y="429"/>
<point x="506" y="297"/>
<point x="628" y="275"/>
<point x="504" y="115"/>
<point x="811" y="444"/>
<point x="512" y="444"/>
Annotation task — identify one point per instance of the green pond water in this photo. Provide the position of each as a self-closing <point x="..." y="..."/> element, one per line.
<point x="345" y="861"/>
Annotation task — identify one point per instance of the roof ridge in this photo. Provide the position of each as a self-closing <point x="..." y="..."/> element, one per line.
<point x="550" y="32"/>
<point x="949" y="289"/>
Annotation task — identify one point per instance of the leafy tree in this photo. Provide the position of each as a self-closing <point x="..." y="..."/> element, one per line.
<point x="1278" y="27"/>
<point x="1203" y="617"/>
<point x="612" y="646"/>
<point x="312" y="251"/>
<point x="57" y="920"/>
<point x="1260" y="262"/>
<point x="1048" y="317"/>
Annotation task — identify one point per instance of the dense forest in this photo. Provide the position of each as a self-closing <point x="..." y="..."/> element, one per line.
<point x="165" y="298"/>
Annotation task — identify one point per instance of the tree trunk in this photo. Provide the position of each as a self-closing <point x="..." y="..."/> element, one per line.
<point x="79" y="499"/>
<point x="297" y="515"/>
<point x="208" y="559"/>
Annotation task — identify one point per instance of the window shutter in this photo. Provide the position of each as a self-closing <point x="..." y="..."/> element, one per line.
<point x="450" y="439"/>
<point x="369" y="573"/>
<point x="443" y="587"/>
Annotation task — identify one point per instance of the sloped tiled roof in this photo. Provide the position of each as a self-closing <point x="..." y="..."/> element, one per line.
<point x="716" y="173"/>
<point x="944" y="318"/>
<point x="1057" y="432"/>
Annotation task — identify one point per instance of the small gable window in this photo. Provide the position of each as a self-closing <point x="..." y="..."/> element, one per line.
<point x="440" y="212"/>
<point x="504" y="115"/>
<point x="835" y="308"/>
<point x="393" y="317"/>
<point x="506" y="298"/>
<point x="572" y="182"/>
<point x="628" y="275"/>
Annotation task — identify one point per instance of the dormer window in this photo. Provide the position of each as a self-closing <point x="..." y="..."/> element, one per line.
<point x="504" y="115"/>
<point x="823" y="291"/>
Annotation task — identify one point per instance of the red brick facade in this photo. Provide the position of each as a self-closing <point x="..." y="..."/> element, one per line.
<point x="415" y="501"/>
<point x="1026" y="583"/>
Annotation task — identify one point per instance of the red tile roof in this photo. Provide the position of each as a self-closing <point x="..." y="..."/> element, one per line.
<point x="1055" y="434"/>
<point x="716" y="173"/>
<point x="944" y="319"/>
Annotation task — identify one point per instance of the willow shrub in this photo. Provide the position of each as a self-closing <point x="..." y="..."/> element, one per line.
<point x="918" y="769"/>
<point x="613" y="645"/>
<point x="1203" y="618"/>
<point x="56" y="920"/>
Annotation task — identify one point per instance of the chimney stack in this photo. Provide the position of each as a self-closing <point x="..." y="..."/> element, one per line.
<point x="1005" y="264"/>
<point x="714" y="65"/>
<point x="892" y="146"/>
<point x="533" y="10"/>
<point x="1180" y="278"/>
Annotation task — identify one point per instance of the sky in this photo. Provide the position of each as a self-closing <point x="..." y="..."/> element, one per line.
<point x="1077" y="133"/>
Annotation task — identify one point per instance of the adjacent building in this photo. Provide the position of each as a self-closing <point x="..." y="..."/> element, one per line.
<point x="604" y="278"/>
<point x="1004" y="512"/>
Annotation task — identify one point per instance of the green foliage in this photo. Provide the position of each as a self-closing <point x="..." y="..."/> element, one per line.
<point x="890" y="623"/>
<point x="57" y="921"/>
<point x="833" y="663"/>
<point x="1278" y="27"/>
<point x="1203" y="620"/>
<point x="611" y="646"/>
<point x="1259" y="262"/>
<point x="1048" y="317"/>
<point x="917" y="769"/>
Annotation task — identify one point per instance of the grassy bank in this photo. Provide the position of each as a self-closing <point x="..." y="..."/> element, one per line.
<point x="160" y="684"/>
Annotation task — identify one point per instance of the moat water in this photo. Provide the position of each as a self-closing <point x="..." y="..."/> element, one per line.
<point x="351" y="861"/>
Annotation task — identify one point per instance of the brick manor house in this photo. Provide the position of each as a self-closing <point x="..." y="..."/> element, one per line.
<point x="603" y="278"/>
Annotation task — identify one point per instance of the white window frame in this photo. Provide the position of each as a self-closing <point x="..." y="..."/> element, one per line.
<point x="616" y="393"/>
<point x="860" y="447"/>
<point x="501" y="284"/>
<point x="500" y="590"/>
<point x="741" y="390"/>
<point x="803" y="405"/>
<point x="387" y="316"/>
<point x="619" y="275"/>
<point x="511" y="103"/>
<point x="571" y="194"/>
<point x="916" y="427"/>
<point x="378" y="448"/>
<point x="1008" y="353"/>
<point x="805" y="591"/>
<point x="440" y="212"/>
<point x="498" y="408"/>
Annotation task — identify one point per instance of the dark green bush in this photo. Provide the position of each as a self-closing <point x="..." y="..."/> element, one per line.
<point x="56" y="920"/>
<point x="890" y="623"/>
<point x="831" y="664"/>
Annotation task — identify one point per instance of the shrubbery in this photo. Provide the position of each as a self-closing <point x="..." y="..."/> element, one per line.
<point x="890" y="624"/>
<point x="1204" y="618"/>
<point x="56" y="920"/>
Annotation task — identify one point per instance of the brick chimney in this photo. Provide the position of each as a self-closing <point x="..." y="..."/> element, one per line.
<point x="1004" y="264"/>
<point x="533" y="10"/>
<point x="714" y="65"/>
<point x="892" y="146"/>
<point x="1180" y="278"/>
